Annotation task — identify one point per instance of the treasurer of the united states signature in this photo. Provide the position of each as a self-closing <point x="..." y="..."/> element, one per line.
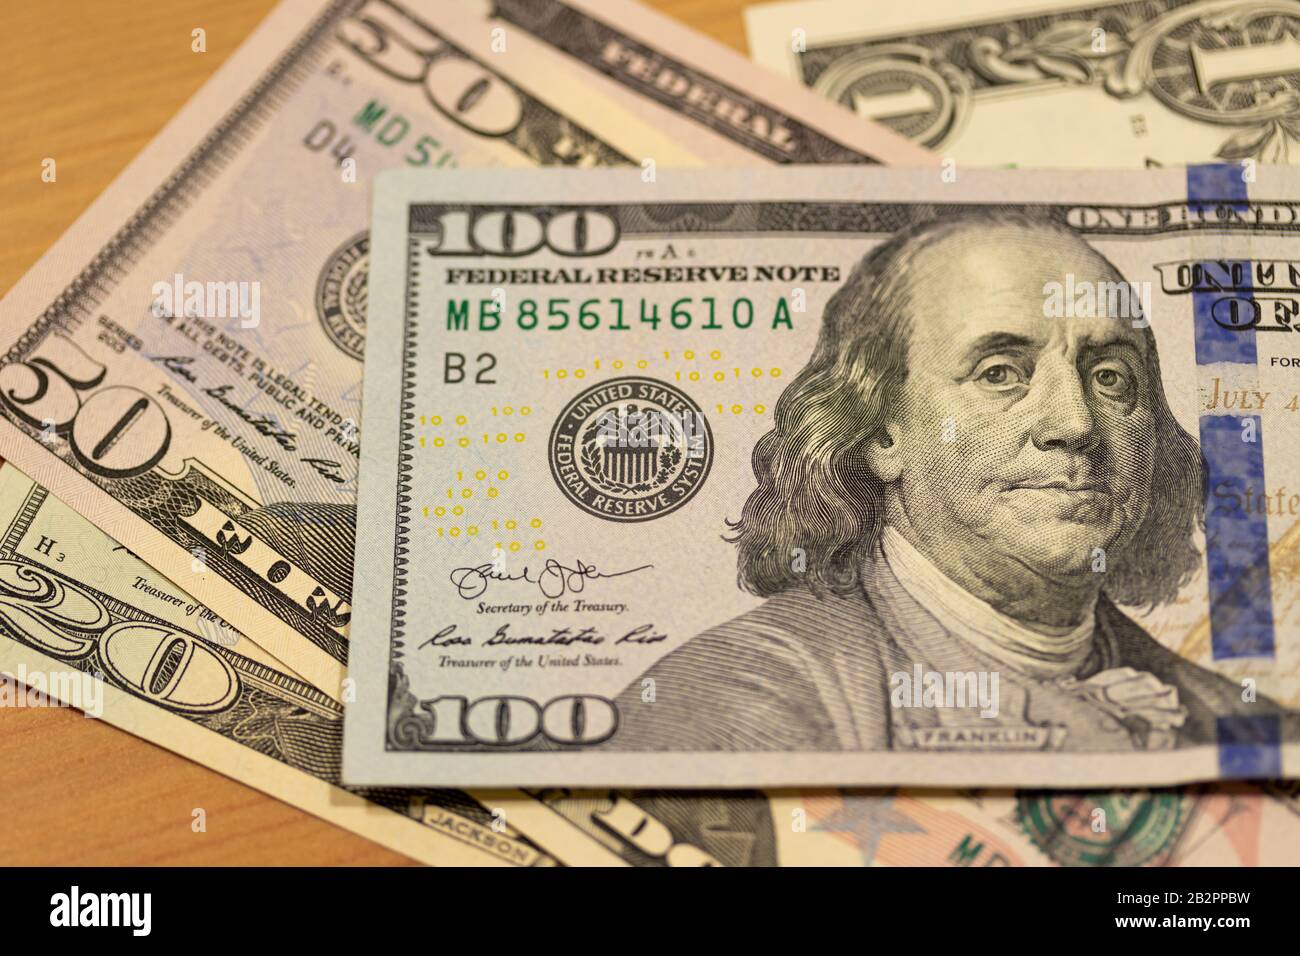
<point x="563" y="636"/>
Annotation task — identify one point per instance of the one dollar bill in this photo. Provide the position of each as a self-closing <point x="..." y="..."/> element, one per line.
<point x="1054" y="82"/>
<point x="847" y="477"/>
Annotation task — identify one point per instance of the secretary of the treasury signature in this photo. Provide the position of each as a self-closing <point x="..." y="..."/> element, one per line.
<point x="554" y="579"/>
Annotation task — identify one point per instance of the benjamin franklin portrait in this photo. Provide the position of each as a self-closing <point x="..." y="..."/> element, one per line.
<point x="957" y="482"/>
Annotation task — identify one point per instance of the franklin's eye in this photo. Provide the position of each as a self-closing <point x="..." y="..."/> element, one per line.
<point x="1001" y="376"/>
<point x="1112" y="381"/>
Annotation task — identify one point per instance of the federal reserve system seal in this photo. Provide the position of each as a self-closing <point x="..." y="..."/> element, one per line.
<point x="631" y="449"/>
<point x="341" y="295"/>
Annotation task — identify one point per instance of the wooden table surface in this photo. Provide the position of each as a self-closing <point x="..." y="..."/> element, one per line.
<point x="89" y="83"/>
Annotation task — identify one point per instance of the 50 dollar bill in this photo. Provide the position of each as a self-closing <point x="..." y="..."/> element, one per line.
<point x="194" y="388"/>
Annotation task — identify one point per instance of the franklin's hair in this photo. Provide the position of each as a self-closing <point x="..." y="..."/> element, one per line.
<point x="817" y="493"/>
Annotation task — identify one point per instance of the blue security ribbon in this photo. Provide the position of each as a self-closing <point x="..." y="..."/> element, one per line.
<point x="1240" y="585"/>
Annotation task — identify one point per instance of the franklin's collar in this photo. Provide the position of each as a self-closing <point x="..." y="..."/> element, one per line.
<point x="1042" y="654"/>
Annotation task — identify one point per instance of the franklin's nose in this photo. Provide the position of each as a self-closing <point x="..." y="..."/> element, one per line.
<point x="1064" y="418"/>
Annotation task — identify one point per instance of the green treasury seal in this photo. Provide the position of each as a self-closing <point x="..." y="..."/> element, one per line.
<point x="1122" y="828"/>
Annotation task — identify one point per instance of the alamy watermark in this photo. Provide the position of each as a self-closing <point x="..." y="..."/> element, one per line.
<point x="71" y="688"/>
<point x="209" y="300"/>
<point x="1085" y="299"/>
<point x="74" y="908"/>
<point x="629" y="427"/>
<point x="954" y="689"/>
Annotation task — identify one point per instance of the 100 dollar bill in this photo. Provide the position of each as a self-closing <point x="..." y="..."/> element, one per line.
<point x="195" y="388"/>
<point x="1054" y="82"/>
<point x="845" y="477"/>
